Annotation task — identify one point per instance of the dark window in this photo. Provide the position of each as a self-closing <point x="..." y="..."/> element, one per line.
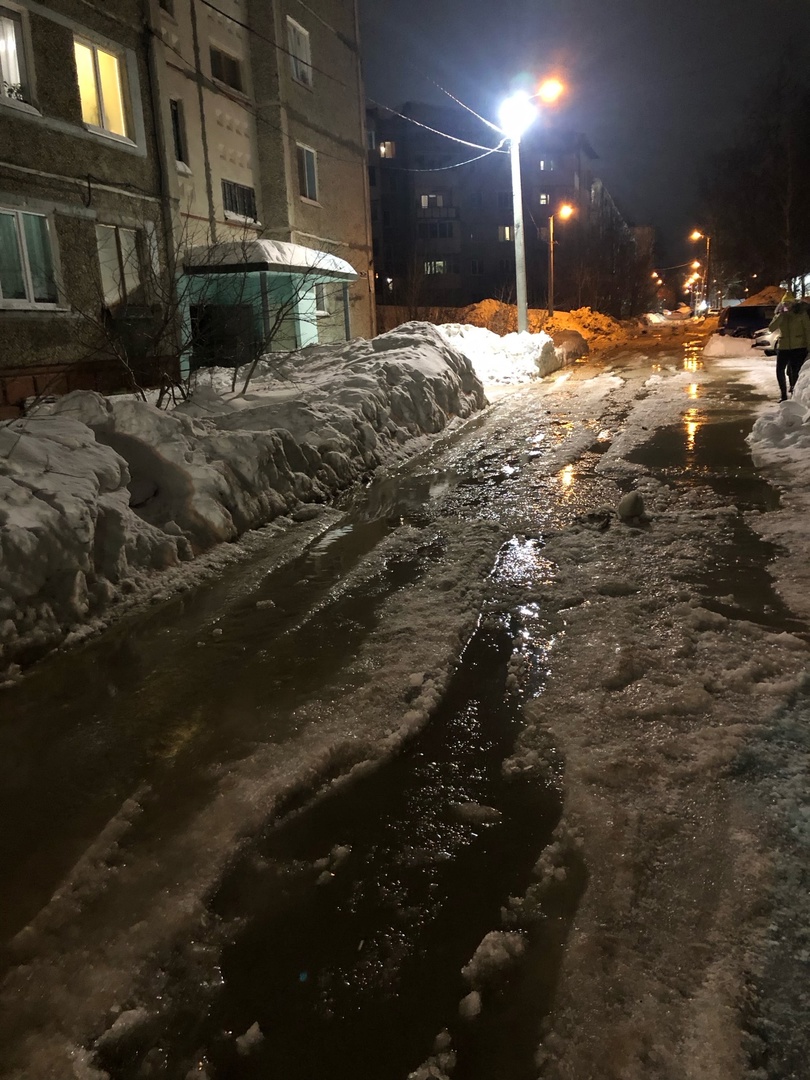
<point x="239" y="199"/>
<point x="307" y="174"/>
<point x="178" y="131"/>
<point x="504" y="200"/>
<point x="26" y="260"/>
<point x="226" y="69"/>
<point x="372" y="176"/>
<point x="477" y="267"/>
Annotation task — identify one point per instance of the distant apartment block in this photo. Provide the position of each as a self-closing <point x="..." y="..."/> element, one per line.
<point x="442" y="212"/>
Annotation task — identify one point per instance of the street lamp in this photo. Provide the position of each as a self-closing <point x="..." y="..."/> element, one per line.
<point x="516" y="114"/>
<point x="564" y="213"/>
<point x="696" y="234"/>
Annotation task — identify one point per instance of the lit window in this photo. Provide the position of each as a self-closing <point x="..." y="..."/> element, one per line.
<point x="119" y="261"/>
<point x="435" y="266"/>
<point x="239" y="199"/>
<point x="388" y="149"/>
<point x="26" y="260"/>
<point x="505" y="232"/>
<point x="178" y="131"/>
<point x="100" y="87"/>
<point x="431" y="200"/>
<point x="300" y="56"/>
<point x="307" y="174"/>
<point x="544" y="198"/>
<point x="226" y="69"/>
<point x="546" y="165"/>
<point x="12" y="57"/>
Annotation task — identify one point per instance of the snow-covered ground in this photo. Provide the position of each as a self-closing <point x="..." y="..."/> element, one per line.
<point x="652" y="700"/>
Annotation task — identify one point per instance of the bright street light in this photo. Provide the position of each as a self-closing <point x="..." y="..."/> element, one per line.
<point x="516" y="114"/>
<point x="565" y="212"/>
<point x="696" y="234"/>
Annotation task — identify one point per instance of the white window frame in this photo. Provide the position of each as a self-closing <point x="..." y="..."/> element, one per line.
<point x="121" y="282"/>
<point x="299" y="147"/>
<point x="29" y="303"/>
<point x="234" y="188"/>
<point x="21" y="59"/>
<point x="300" y="53"/>
<point x="123" y="78"/>
<point x="321" y="299"/>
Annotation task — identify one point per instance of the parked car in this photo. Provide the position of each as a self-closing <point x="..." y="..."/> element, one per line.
<point x="745" y="319"/>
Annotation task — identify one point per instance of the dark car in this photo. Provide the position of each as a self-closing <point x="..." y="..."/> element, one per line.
<point x="745" y="319"/>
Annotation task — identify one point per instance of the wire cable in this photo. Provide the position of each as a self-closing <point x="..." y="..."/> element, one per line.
<point x="427" y="127"/>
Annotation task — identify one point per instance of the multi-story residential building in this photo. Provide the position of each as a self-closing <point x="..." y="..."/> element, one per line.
<point x="80" y="193"/>
<point x="177" y="176"/>
<point x="442" y="212"/>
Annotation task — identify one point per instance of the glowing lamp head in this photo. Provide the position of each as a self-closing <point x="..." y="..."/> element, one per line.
<point x="550" y="91"/>
<point x="565" y="211"/>
<point x="696" y="235"/>
<point x="516" y="114"/>
<point x="695" y="265"/>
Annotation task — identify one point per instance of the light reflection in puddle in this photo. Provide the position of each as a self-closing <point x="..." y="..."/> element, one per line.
<point x="692" y="422"/>
<point x="693" y="390"/>
<point x="521" y="562"/>
<point x="566" y="479"/>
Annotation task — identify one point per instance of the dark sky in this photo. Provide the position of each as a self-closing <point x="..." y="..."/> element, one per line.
<point x="654" y="86"/>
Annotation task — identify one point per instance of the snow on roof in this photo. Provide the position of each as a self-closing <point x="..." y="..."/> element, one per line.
<point x="270" y="255"/>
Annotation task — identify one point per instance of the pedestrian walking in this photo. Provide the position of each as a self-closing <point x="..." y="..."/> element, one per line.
<point x="792" y="323"/>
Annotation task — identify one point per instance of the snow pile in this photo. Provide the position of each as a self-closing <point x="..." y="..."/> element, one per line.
<point x="783" y="434"/>
<point x="771" y="294"/>
<point x="725" y="345"/>
<point x="591" y="324"/>
<point x="511" y="358"/>
<point x="102" y="492"/>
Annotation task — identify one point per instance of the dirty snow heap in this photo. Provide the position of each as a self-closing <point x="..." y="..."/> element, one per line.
<point x="100" y="493"/>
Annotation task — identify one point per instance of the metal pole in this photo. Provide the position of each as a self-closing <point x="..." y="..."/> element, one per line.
<point x="708" y="279"/>
<point x="551" y="265"/>
<point x="520" y="244"/>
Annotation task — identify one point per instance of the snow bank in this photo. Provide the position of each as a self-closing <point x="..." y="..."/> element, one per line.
<point x="102" y="492"/>
<point x="511" y="358"/>
<point x="782" y="434"/>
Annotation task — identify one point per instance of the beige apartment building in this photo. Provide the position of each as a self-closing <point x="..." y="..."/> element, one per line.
<point x="182" y="167"/>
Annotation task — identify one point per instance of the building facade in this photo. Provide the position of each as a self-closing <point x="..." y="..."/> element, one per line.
<point x="137" y="141"/>
<point x="442" y="212"/>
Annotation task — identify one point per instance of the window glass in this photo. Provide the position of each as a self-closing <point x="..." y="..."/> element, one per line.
<point x="300" y="57"/>
<point x="226" y="69"/>
<point x="178" y="131"/>
<point x="40" y="260"/>
<point x="12" y="279"/>
<point x="12" y="57"/>
<point x="108" y="264"/>
<point x="109" y="74"/>
<point x="130" y="263"/>
<point x="307" y="179"/>
<point x="85" y="69"/>
<point x="239" y="199"/>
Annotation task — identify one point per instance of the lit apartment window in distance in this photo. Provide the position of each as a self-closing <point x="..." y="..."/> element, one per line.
<point x="12" y="57"/>
<point x="26" y="261"/>
<point x="239" y="199"/>
<point x="101" y="87"/>
<point x="505" y="232"/>
<point x="300" y="56"/>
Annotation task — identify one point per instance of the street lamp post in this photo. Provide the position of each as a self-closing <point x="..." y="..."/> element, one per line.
<point x="565" y="212"/>
<point x="516" y="114"/>
<point x="704" y="285"/>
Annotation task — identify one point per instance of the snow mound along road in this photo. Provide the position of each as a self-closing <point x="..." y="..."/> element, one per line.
<point x="102" y="493"/>
<point x="511" y="358"/>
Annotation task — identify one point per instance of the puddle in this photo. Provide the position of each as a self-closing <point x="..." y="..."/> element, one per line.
<point x="350" y="962"/>
<point x="701" y="453"/>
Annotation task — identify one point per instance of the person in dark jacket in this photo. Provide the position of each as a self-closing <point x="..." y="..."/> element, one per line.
<point x="792" y="323"/>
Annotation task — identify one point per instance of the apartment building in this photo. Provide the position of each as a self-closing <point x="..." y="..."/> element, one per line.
<point x="177" y="178"/>
<point x="80" y="192"/>
<point x="442" y="211"/>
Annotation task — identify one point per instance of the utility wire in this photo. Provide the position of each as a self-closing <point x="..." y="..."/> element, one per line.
<point x="427" y="127"/>
<point x="271" y="41"/>
<point x="444" y="168"/>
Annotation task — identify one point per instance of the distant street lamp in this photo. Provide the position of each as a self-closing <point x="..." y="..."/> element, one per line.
<point x="516" y="114"/>
<point x="564" y="213"/>
<point x="696" y="234"/>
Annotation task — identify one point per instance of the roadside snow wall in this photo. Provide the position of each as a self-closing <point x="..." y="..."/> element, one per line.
<point x="101" y="493"/>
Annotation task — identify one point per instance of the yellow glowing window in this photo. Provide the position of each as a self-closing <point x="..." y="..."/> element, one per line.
<point x="100" y="87"/>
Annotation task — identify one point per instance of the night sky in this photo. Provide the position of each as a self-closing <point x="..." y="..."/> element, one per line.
<point x="654" y="86"/>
